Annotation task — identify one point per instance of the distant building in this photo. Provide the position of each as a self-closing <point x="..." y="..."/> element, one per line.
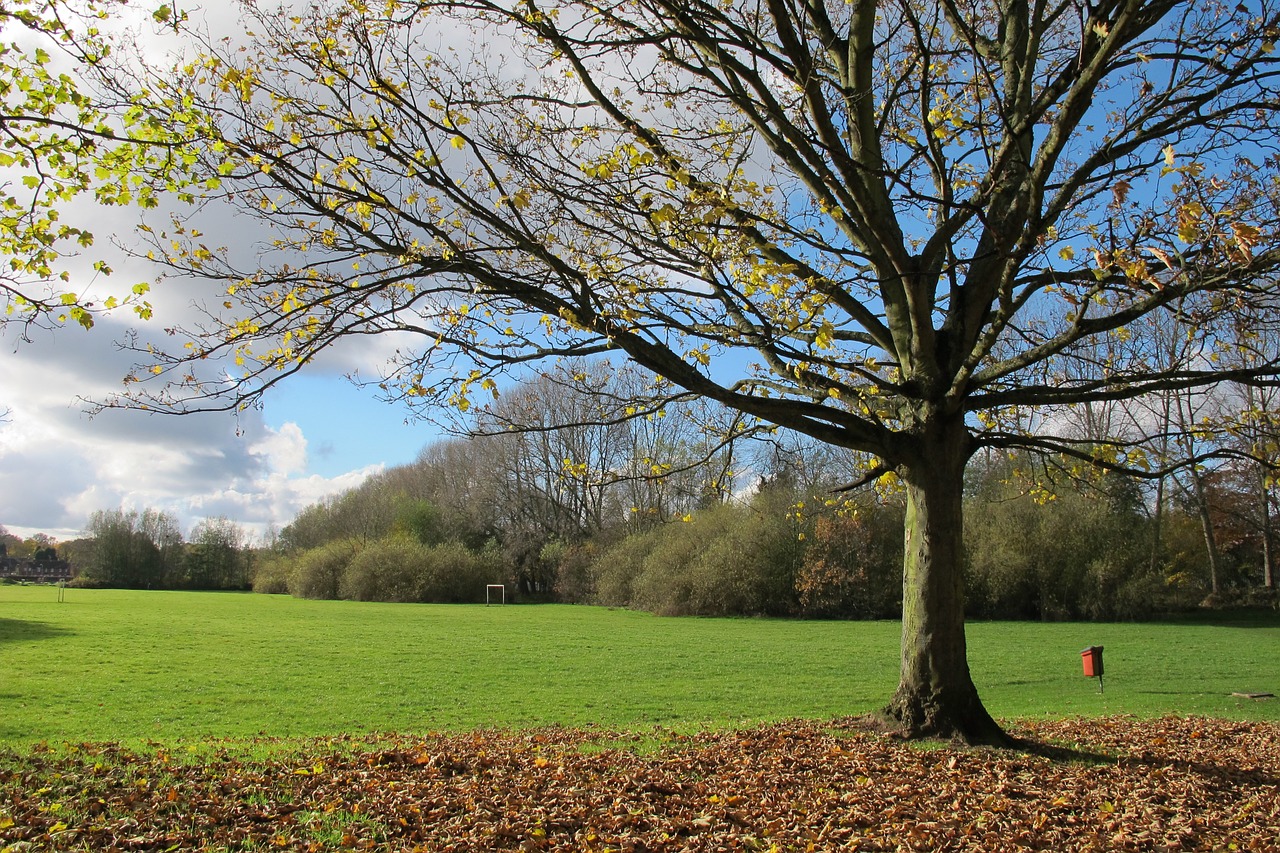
<point x="46" y="569"/>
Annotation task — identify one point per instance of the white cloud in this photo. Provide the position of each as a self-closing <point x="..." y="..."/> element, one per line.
<point x="58" y="465"/>
<point x="284" y="450"/>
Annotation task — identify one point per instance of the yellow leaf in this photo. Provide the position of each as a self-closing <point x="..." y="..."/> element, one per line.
<point x="825" y="337"/>
<point x="458" y="142"/>
<point x="665" y="214"/>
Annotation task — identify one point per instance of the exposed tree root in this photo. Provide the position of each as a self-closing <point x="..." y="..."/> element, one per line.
<point x="920" y="715"/>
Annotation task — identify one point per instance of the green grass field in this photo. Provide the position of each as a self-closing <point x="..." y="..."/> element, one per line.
<point x="133" y="666"/>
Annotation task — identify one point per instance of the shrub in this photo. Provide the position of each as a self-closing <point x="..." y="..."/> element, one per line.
<point x="317" y="573"/>
<point x="732" y="559"/>
<point x="852" y="568"/>
<point x="614" y="572"/>
<point x="387" y="569"/>
<point x="271" y="574"/>
<point x="455" y="574"/>
<point x="664" y="585"/>
<point x="1073" y="557"/>
<point x="1122" y="588"/>
<point x="571" y="567"/>
<point x="402" y="569"/>
<point x="750" y="559"/>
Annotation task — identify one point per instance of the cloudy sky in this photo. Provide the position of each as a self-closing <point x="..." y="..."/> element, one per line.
<point x="316" y="435"/>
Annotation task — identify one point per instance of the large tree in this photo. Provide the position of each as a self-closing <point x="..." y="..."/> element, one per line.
<point x="891" y="226"/>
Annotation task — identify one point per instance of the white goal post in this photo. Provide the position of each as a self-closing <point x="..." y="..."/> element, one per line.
<point x="488" y="593"/>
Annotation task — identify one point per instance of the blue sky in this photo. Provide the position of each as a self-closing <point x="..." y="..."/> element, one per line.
<point x="346" y="427"/>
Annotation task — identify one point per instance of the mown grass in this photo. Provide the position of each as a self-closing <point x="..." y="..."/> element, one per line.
<point x="136" y="666"/>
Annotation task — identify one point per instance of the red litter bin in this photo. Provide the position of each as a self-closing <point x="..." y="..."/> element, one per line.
<point x="1092" y="658"/>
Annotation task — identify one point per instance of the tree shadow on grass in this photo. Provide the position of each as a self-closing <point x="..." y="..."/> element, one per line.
<point x="25" y="630"/>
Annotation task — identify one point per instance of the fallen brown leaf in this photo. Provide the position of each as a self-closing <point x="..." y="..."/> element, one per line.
<point x="1097" y="784"/>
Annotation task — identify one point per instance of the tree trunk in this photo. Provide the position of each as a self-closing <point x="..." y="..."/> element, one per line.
<point x="936" y="696"/>
<point x="1157" y="522"/>
<point x="1268" y="533"/>
<point x="1206" y="527"/>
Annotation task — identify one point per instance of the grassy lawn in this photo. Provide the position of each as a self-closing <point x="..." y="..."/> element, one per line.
<point x="116" y="665"/>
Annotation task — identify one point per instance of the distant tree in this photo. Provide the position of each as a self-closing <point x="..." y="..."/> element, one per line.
<point x="556" y="448"/>
<point x="557" y="459"/>
<point x="1255" y="431"/>
<point x="421" y="520"/>
<point x="310" y="528"/>
<point x="365" y="513"/>
<point x="131" y="549"/>
<point x="459" y="478"/>
<point x="569" y="456"/>
<point x="77" y="552"/>
<point x="215" y="556"/>
<point x="16" y="547"/>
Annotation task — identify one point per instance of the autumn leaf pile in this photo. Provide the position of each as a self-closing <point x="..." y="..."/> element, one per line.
<point x="1102" y="784"/>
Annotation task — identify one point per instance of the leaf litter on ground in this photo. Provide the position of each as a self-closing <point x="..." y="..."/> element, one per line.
<point x="1114" y="783"/>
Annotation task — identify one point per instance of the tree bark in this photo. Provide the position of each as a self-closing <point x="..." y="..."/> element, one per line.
<point x="1201" y="498"/>
<point x="1157" y="522"/>
<point x="1268" y="532"/>
<point x="936" y="696"/>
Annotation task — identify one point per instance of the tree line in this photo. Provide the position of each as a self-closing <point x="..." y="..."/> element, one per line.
<point x="555" y="498"/>
<point x="145" y="549"/>
<point x="684" y="510"/>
